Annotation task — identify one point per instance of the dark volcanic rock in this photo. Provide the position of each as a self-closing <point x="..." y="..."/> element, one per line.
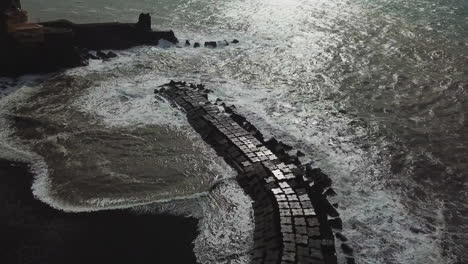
<point x="102" y="55"/>
<point x="347" y="249"/>
<point x="235" y="41"/>
<point x="111" y="54"/>
<point x="336" y="223"/>
<point x="211" y="44"/>
<point x="341" y="237"/>
<point x="196" y="45"/>
<point x="330" y="192"/>
<point x="187" y="43"/>
<point x="92" y="56"/>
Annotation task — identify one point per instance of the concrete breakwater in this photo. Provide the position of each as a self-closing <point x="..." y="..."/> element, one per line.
<point x="294" y="221"/>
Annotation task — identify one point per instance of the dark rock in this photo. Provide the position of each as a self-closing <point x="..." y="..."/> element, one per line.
<point x="330" y="192"/>
<point x="329" y="209"/>
<point x="111" y="54"/>
<point x="416" y="230"/>
<point x="102" y="55"/>
<point x="235" y="41"/>
<point x="92" y="56"/>
<point x="336" y="223"/>
<point x="341" y="237"/>
<point x="211" y="44"/>
<point x="347" y="249"/>
<point x="350" y="260"/>
<point x="228" y="110"/>
<point x="285" y="147"/>
<point x="196" y="45"/>
<point x="83" y="61"/>
<point x="318" y="177"/>
<point x="187" y="43"/>
<point x="223" y="43"/>
<point x="271" y="143"/>
<point x="300" y="154"/>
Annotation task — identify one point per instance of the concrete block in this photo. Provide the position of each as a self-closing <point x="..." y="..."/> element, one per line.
<point x="270" y="180"/>
<point x="307" y="205"/>
<point x="316" y="254"/>
<point x="313" y="232"/>
<point x="286" y="220"/>
<point x="348" y="250"/>
<point x="289" y="247"/>
<point x="309" y="212"/>
<point x="299" y="221"/>
<point x="302" y="239"/>
<point x="295" y="205"/>
<point x="315" y="243"/>
<point x="280" y="197"/>
<point x="284" y="212"/>
<point x="328" y="243"/>
<point x="288" y="237"/>
<point x="301" y="230"/>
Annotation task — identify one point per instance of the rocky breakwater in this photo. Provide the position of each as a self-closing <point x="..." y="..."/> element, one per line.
<point x="294" y="221"/>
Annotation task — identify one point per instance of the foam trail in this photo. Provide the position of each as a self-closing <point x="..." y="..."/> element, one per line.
<point x="41" y="189"/>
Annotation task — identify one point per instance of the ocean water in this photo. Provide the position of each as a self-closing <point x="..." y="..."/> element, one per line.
<point x="375" y="92"/>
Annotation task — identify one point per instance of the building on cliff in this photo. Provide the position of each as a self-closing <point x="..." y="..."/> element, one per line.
<point x="29" y="47"/>
<point x="15" y="24"/>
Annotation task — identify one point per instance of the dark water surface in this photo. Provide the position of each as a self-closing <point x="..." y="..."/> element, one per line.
<point x="374" y="91"/>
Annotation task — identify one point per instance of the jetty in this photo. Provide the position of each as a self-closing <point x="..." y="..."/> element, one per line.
<point x="294" y="220"/>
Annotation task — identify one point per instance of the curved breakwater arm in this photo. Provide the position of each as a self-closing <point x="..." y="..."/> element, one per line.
<point x="294" y="221"/>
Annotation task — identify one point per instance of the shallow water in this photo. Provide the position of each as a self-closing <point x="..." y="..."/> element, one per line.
<point x="374" y="91"/>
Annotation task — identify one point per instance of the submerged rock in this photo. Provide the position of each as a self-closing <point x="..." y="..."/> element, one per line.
<point x="102" y="55"/>
<point x="211" y="44"/>
<point x="111" y="54"/>
<point x="92" y="56"/>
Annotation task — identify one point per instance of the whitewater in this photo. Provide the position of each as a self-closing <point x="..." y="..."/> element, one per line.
<point x="373" y="93"/>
